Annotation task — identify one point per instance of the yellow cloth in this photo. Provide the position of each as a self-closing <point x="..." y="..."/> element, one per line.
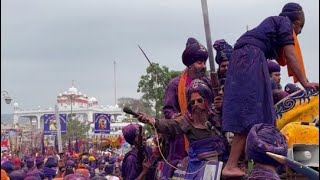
<point x="296" y="108"/>
<point x="183" y="102"/>
<point x="296" y="133"/>
<point x="283" y="62"/>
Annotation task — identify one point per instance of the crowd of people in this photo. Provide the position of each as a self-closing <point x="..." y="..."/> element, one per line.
<point x="233" y="127"/>
<point x="65" y="166"/>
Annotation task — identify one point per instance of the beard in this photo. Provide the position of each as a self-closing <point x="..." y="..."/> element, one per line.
<point x="199" y="115"/>
<point x="200" y="73"/>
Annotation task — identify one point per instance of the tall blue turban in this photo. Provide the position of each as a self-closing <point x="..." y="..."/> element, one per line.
<point x="194" y="52"/>
<point x="292" y="10"/>
<point x="264" y="138"/>
<point x="224" y="50"/>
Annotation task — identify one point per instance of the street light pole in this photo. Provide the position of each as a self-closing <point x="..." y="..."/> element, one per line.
<point x="6" y="97"/>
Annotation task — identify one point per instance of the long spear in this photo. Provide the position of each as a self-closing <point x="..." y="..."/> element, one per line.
<point x="213" y="73"/>
<point x="296" y="166"/>
<point x="154" y="69"/>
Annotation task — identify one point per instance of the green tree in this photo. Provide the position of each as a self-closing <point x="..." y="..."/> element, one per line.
<point x="153" y="85"/>
<point x="75" y="129"/>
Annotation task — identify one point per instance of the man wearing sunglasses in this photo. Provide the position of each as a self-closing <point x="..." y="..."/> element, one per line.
<point x="195" y="126"/>
<point x="194" y="57"/>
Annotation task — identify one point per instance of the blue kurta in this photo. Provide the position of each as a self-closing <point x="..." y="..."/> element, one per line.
<point x="248" y="96"/>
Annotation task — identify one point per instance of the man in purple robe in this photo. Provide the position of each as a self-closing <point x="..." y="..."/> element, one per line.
<point x="274" y="71"/>
<point x="132" y="165"/>
<point x="248" y="96"/>
<point x="194" y="58"/>
<point x="224" y="51"/>
<point x="204" y="139"/>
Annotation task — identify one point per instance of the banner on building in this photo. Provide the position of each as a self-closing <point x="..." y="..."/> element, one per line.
<point x="102" y="123"/>
<point x="50" y="124"/>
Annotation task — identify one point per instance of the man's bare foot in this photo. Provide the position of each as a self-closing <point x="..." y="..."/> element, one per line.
<point x="232" y="172"/>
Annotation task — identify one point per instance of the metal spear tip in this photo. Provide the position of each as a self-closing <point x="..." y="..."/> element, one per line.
<point x="279" y="158"/>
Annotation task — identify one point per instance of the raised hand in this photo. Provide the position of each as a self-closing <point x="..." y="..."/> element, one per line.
<point x="146" y="119"/>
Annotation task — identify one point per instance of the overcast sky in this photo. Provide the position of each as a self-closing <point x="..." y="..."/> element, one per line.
<point x="45" y="44"/>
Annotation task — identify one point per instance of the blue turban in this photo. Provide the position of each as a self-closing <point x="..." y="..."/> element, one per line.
<point x="49" y="172"/>
<point x="34" y="175"/>
<point x="273" y="66"/>
<point x="39" y="160"/>
<point x="203" y="89"/>
<point x="109" y="168"/>
<point x="8" y="166"/>
<point x="113" y="160"/>
<point x="85" y="160"/>
<point x="17" y="175"/>
<point x="224" y="50"/>
<point x="70" y="163"/>
<point x="194" y="52"/>
<point x="51" y="162"/>
<point x="129" y="132"/>
<point x="264" y="138"/>
<point x="29" y="162"/>
<point x="291" y="88"/>
<point x="292" y="10"/>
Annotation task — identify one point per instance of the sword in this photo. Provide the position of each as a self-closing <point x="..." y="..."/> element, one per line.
<point x="213" y="73"/>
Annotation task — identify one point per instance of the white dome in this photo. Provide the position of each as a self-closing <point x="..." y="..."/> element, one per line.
<point x="64" y="93"/>
<point x="84" y="95"/>
<point x="60" y="94"/>
<point x="79" y="93"/>
<point x="73" y="90"/>
<point x="93" y="99"/>
<point x="15" y="105"/>
<point x="116" y="106"/>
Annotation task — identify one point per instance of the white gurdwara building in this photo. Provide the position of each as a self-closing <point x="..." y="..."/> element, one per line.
<point x="80" y="106"/>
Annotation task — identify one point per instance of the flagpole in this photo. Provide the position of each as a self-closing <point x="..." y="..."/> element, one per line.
<point x="115" y="84"/>
<point x="58" y="128"/>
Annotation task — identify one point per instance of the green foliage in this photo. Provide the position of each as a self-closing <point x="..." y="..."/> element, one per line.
<point x="75" y="129"/>
<point x="153" y="86"/>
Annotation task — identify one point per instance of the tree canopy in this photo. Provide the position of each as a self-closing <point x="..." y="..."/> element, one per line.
<point x="75" y="129"/>
<point x="153" y="85"/>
